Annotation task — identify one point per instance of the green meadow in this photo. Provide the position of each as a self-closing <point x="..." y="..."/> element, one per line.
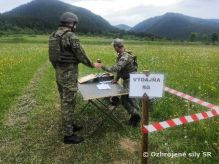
<point x="30" y="119"/>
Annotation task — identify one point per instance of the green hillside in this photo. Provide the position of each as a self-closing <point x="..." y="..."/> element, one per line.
<point x="43" y="16"/>
<point x="177" y="26"/>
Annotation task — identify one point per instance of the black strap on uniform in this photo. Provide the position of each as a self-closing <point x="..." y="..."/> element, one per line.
<point x="60" y="41"/>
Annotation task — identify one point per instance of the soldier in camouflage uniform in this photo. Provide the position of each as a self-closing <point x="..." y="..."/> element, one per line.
<point x="126" y="64"/>
<point x="65" y="53"/>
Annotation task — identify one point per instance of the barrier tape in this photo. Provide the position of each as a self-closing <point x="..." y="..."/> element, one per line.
<point x="179" y="121"/>
<point x="190" y="98"/>
<point x="184" y="119"/>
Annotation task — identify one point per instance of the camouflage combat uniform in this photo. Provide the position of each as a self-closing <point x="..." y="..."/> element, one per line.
<point x="125" y="65"/>
<point x="67" y="75"/>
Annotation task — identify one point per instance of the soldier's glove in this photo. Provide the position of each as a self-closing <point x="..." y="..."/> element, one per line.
<point x="114" y="82"/>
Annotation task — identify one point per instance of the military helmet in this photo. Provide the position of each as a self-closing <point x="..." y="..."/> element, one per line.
<point x="118" y="42"/>
<point x="69" y="17"/>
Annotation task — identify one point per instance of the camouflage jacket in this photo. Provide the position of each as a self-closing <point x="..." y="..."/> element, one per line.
<point x="71" y="43"/>
<point x="125" y="65"/>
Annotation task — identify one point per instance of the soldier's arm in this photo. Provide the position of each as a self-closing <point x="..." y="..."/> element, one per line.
<point x="118" y="67"/>
<point x="117" y="77"/>
<point x="80" y="53"/>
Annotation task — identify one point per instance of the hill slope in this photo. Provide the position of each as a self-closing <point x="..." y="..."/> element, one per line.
<point x="123" y="27"/>
<point x="41" y="15"/>
<point x="176" y="26"/>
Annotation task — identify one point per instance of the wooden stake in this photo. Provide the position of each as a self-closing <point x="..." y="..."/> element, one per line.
<point x="145" y="121"/>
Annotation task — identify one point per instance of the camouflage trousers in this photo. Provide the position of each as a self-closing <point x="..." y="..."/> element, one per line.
<point x="66" y="79"/>
<point x="130" y="104"/>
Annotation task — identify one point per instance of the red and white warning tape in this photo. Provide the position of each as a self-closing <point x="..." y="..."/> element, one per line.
<point x="184" y="119"/>
<point x="179" y="121"/>
<point x="190" y="98"/>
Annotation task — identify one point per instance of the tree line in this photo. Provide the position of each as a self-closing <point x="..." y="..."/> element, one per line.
<point x="206" y="38"/>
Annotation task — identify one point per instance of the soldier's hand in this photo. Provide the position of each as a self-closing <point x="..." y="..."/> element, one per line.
<point x="113" y="81"/>
<point x="98" y="65"/>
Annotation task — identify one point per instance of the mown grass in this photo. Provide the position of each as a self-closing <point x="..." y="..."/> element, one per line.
<point x="18" y="62"/>
<point x="192" y="69"/>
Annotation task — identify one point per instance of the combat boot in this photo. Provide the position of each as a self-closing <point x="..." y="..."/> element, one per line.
<point x="134" y="120"/>
<point x="73" y="139"/>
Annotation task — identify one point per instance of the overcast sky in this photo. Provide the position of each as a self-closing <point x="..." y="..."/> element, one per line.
<point x="131" y="12"/>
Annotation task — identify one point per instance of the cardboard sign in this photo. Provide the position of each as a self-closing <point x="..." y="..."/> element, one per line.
<point x="86" y="78"/>
<point x="99" y="77"/>
<point x="152" y="85"/>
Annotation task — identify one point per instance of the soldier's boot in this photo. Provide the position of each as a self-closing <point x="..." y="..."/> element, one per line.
<point x="134" y="120"/>
<point x="76" y="127"/>
<point x="73" y="139"/>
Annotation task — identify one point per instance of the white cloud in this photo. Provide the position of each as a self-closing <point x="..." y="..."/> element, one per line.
<point x="131" y="12"/>
<point x="127" y="12"/>
<point x="199" y="8"/>
<point x="134" y="15"/>
<point x="105" y="7"/>
<point x="10" y="4"/>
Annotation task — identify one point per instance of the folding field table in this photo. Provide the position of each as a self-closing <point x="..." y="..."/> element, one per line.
<point x="95" y="96"/>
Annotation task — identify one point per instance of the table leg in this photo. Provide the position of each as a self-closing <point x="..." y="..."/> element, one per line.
<point x="84" y="107"/>
<point x="114" y="119"/>
<point x="111" y="111"/>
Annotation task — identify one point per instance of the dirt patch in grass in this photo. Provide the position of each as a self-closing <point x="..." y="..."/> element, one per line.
<point x="129" y="145"/>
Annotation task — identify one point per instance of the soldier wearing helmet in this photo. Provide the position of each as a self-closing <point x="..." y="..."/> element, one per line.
<point x="126" y="64"/>
<point x="69" y="20"/>
<point x="65" y="53"/>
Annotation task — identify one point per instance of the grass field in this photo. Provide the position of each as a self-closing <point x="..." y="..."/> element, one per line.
<point x="30" y="125"/>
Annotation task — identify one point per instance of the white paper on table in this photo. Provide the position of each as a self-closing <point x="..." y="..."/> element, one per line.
<point x="106" y="82"/>
<point x="103" y="86"/>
